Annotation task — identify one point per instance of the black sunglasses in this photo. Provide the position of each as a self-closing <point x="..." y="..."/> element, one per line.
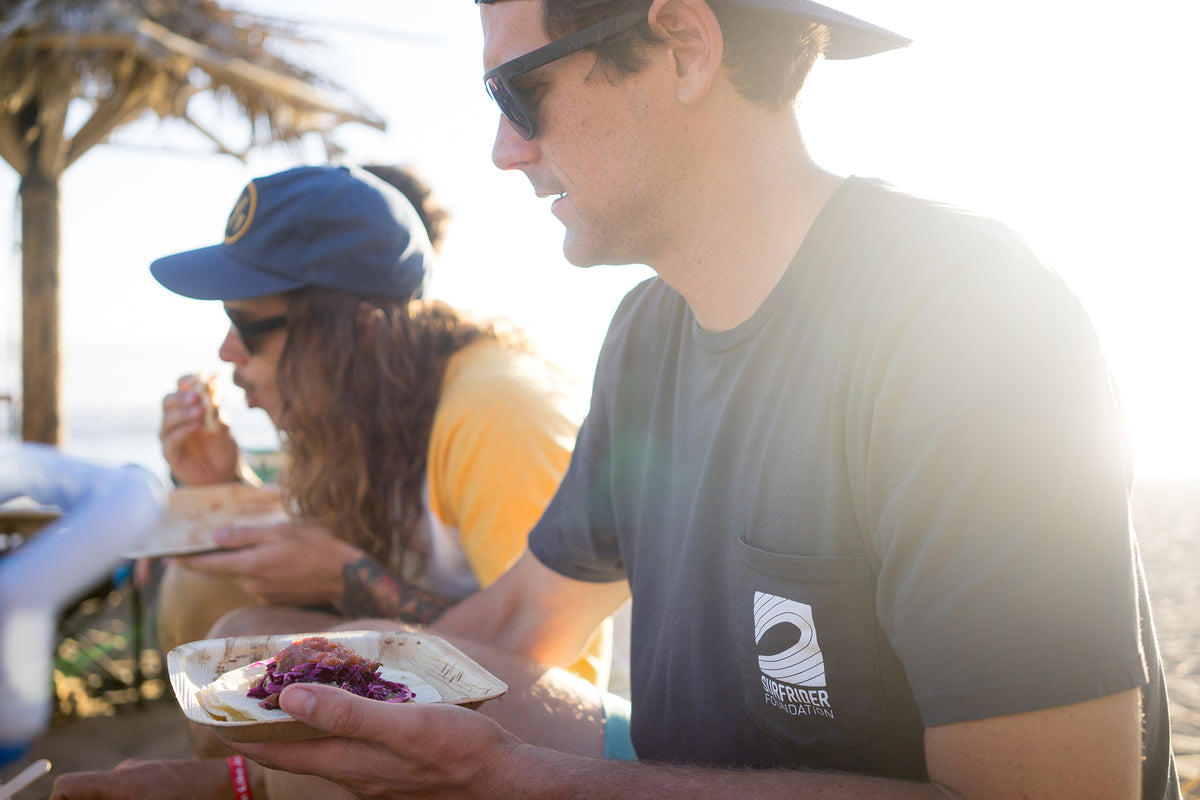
<point x="498" y="80"/>
<point x="251" y="333"/>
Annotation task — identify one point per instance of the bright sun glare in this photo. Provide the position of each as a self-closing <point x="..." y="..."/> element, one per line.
<point x="1071" y="127"/>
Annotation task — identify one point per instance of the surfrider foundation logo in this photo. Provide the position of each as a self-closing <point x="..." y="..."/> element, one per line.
<point x="801" y="664"/>
<point x="242" y="214"/>
<point x="793" y="679"/>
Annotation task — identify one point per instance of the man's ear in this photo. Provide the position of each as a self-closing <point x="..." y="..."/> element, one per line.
<point x="694" y="44"/>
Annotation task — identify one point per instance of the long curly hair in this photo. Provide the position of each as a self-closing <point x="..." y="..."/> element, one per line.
<point x="360" y="379"/>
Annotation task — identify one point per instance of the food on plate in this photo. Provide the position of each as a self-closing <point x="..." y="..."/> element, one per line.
<point x="203" y="384"/>
<point x="194" y="512"/>
<point x="251" y="693"/>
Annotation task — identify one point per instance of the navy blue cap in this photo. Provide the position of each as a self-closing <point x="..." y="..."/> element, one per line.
<point x="11" y="753"/>
<point x="335" y="227"/>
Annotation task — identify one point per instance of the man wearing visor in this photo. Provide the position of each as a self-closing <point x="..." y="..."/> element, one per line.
<point x="856" y="455"/>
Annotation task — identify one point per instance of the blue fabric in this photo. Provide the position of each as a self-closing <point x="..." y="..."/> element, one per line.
<point x="618" y="745"/>
<point x="12" y="753"/>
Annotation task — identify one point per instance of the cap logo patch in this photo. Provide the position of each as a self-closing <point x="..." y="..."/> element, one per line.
<point x="242" y="214"/>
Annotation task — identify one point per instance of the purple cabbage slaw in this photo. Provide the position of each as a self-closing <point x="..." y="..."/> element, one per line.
<point x="360" y="679"/>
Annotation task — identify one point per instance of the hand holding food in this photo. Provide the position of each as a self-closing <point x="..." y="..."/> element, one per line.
<point x="383" y="750"/>
<point x="197" y="444"/>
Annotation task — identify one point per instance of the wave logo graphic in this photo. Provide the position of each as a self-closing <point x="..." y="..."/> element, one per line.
<point x="801" y="662"/>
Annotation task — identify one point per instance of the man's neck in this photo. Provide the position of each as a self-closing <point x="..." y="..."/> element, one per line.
<point x="738" y="248"/>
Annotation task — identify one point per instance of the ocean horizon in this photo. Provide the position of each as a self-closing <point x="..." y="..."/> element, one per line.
<point x="112" y="401"/>
<point x="112" y="398"/>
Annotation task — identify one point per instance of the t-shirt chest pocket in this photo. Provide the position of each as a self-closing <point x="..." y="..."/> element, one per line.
<point x="807" y="650"/>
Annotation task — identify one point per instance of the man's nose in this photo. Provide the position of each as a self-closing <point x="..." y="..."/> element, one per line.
<point x="510" y="151"/>
<point x="232" y="349"/>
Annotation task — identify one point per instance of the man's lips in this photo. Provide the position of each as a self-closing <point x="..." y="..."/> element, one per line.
<point x="246" y="388"/>
<point x="558" y="198"/>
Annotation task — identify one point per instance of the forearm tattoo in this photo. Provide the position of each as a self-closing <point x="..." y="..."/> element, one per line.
<point x="373" y="592"/>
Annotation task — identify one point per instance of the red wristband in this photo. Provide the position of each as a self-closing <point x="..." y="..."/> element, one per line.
<point x="237" y="776"/>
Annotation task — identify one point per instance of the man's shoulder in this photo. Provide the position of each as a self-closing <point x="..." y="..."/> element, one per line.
<point x="888" y="216"/>
<point x="897" y="249"/>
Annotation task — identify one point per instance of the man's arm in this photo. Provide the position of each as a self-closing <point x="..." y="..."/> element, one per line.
<point x="294" y="564"/>
<point x="1088" y="751"/>
<point x="535" y="612"/>
<point x="372" y="591"/>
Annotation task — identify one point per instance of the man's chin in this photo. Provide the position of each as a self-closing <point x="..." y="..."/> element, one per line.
<point x="581" y="254"/>
<point x="252" y="402"/>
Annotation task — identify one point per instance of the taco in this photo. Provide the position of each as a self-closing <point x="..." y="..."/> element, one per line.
<point x="251" y="693"/>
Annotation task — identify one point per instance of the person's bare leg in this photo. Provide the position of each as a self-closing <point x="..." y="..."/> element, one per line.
<point x="189" y="602"/>
<point x="268" y="620"/>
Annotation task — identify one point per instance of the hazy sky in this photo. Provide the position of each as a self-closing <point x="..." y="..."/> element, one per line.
<point x="1078" y="129"/>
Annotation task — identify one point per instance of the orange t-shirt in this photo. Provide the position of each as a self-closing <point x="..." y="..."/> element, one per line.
<point x="502" y="437"/>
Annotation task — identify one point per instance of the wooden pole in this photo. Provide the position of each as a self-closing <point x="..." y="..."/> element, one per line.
<point x="41" y="349"/>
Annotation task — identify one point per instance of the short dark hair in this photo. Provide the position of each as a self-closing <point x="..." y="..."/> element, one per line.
<point x="769" y="54"/>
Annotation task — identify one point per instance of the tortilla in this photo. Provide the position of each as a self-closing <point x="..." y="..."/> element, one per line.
<point x="225" y="698"/>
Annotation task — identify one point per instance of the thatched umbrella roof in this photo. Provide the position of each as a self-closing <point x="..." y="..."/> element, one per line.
<point x="108" y="62"/>
<point x="126" y="57"/>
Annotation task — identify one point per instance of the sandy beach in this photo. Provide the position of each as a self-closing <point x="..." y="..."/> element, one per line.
<point x="1167" y="516"/>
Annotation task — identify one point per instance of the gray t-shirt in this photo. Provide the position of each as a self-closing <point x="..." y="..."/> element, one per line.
<point x="895" y="497"/>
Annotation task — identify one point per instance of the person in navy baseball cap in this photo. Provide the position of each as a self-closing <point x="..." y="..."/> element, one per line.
<point x="419" y="444"/>
<point x="329" y="226"/>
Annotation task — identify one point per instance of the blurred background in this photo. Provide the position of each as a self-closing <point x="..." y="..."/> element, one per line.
<point x="1076" y="128"/>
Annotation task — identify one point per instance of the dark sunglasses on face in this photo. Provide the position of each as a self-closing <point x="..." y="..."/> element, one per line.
<point x="499" y="80"/>
<point x="252" y="333"/>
